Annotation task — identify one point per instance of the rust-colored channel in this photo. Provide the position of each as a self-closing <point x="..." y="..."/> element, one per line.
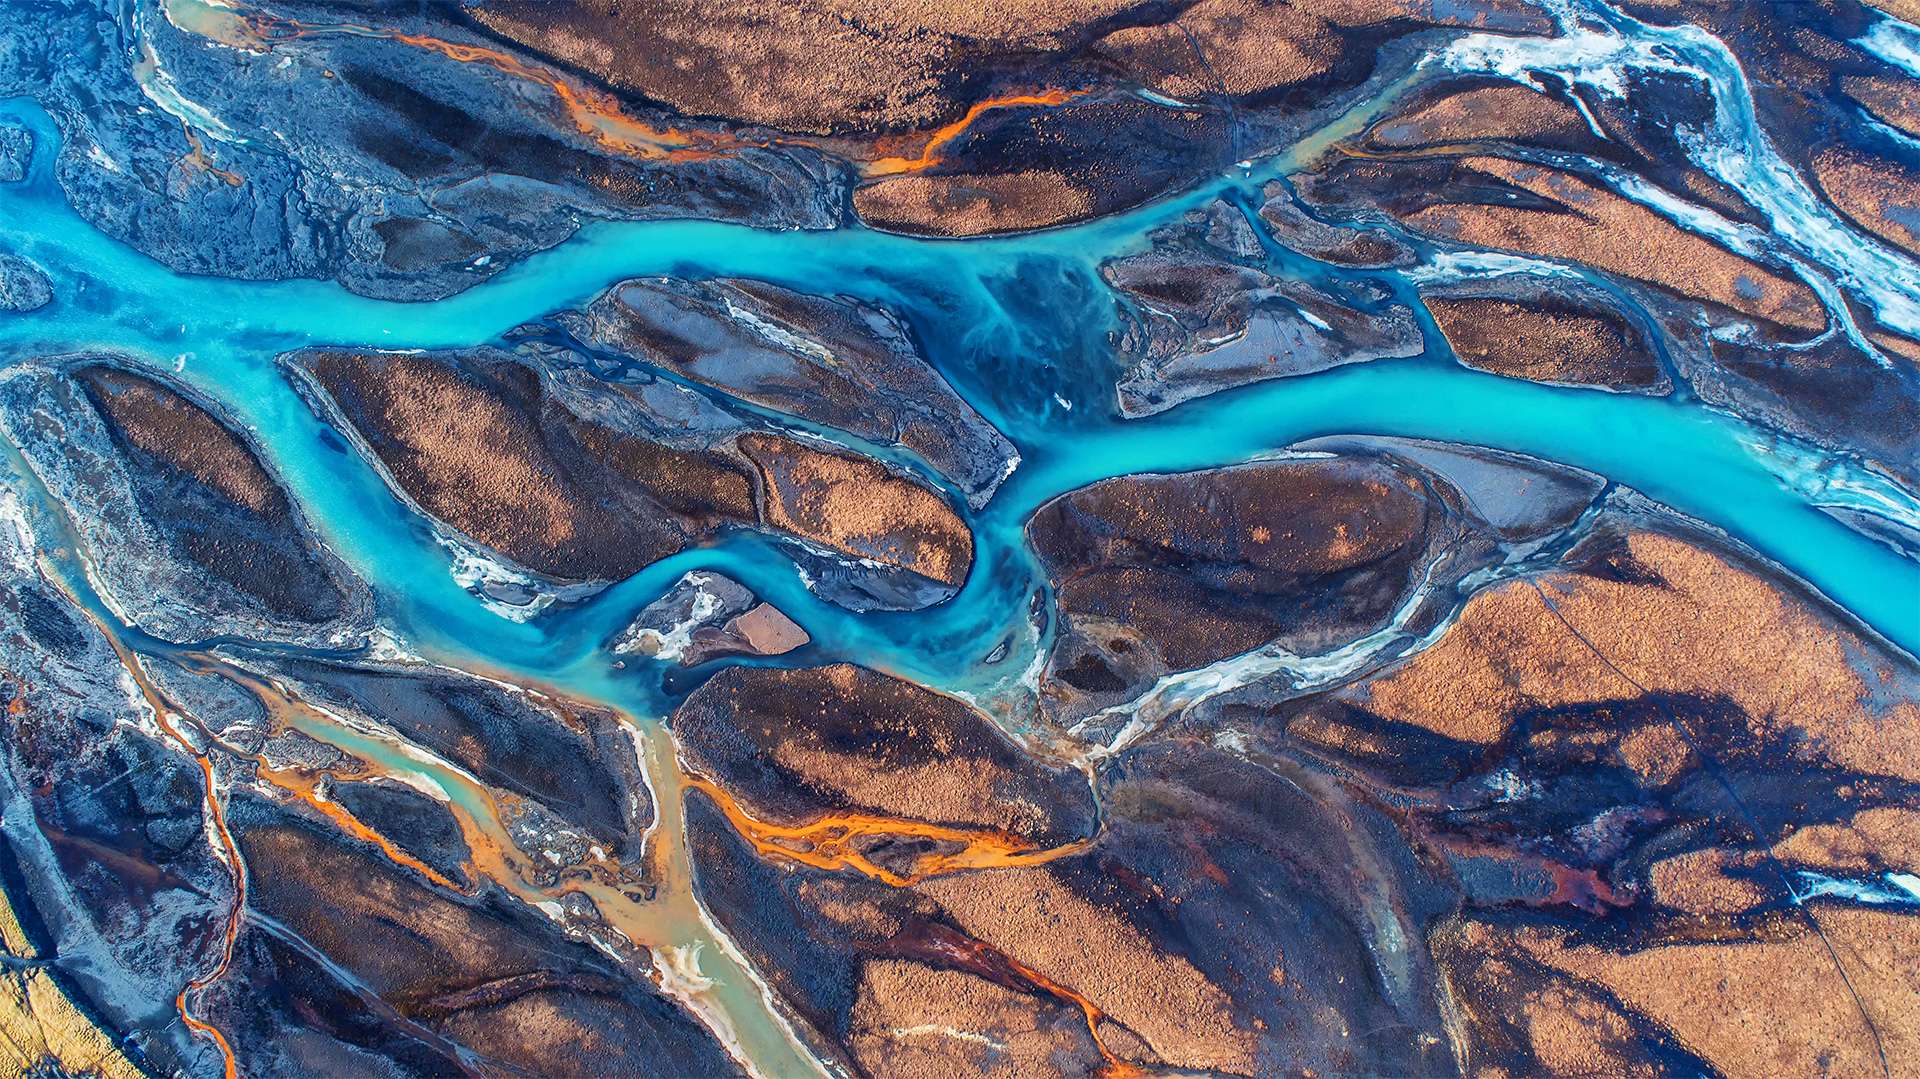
<point x="164" y="714"/>
<point x="831" y="842"/>
<point x="597" y="114"/>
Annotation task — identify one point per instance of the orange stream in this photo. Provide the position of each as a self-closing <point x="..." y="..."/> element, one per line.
<point x="665" y="919"/>
<point x="660" y="921"/>
<point x="198" y="158"/>
<point x="929" y="154"/>
<point x="830" y="842"/>
<point x="492" y="854"/>
<point x="599" y="116"/>
<point x="300" y="785"/>
<point x="594" y="114"/>
<point x="1115" y="1068"/>
<point x="216" y="816"/>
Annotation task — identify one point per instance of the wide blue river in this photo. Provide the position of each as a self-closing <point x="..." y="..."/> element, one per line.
<point x="1019" y="325"/>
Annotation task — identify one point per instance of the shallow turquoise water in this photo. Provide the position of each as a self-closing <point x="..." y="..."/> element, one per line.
<point x="1012" y="322"/>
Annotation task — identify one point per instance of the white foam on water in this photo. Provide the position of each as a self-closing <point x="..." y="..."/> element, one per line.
<point x="1895" y="42"/>
<point x="1597" y="49"/>
<point x="1175" y="693"/>
<point x="1891" y="890"/>
<point x="672" y="643"/>
<point x="1835" y="481"/>
<point x="1453" y="267"/>
<point x="475" y="572"/>
<point x="157" y="84"/>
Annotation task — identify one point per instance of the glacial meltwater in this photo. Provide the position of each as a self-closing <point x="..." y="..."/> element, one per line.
<point x="1023" y="327"/>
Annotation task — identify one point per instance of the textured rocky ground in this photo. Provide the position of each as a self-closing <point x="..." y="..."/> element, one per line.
<point x="1201" y="538"/>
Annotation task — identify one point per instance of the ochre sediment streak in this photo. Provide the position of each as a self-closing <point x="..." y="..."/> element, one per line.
<point x="305" y="788"/>
<point x="493" y="855"/>
<point x="198" y="159"/>
<point x="163" y="713"/>
<point x="217" y="817"/>
<point x="1115" y="1068"/>
<point x="596" y="115"/>
<point x="599" y="116"/>
<point x="662" y="921"/>
<point x="976" y="955"/>
<point x="486" y="840"/>
<point x="479" y="811"/>
<point x="353" y="826"/>
<point x="830" y="842"/>
<point x="929" y="154"/>
<point x="665" y="919"/>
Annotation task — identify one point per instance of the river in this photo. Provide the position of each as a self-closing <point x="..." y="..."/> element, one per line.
<point x="1033" y="368"/>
